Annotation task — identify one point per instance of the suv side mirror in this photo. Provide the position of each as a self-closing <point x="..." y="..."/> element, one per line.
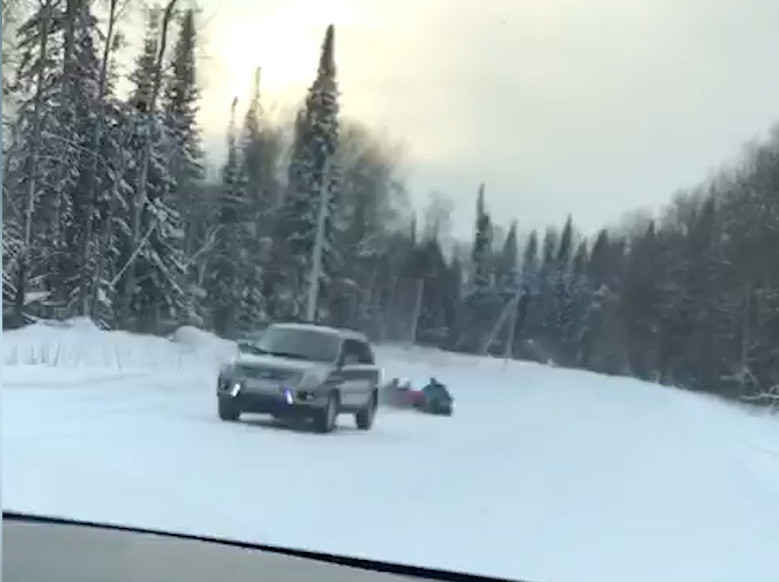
<point x="249" y="347"/>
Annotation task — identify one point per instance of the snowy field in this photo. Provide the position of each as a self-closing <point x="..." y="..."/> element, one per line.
<point x="545" y="474"/>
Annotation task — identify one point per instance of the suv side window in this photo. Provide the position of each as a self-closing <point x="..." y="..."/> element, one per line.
<point x="356" y="352"/>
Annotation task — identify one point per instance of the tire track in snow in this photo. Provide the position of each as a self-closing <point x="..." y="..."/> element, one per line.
<point x="759" y="461"/>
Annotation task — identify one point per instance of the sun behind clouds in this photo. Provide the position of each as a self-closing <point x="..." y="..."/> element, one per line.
<point x="283" y="37"/>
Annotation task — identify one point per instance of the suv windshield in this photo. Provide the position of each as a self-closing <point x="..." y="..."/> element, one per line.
<point x="248" y="343"/>
<point x="304" y="344"/>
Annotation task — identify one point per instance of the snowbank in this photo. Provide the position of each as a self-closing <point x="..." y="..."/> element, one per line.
<point x="196" y="341"/>
<point x="80" y="344"/>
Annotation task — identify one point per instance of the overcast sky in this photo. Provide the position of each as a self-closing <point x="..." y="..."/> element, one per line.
<point x="588" y="107"/>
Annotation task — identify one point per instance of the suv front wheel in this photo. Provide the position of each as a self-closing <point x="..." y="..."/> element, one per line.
<point x="364" y="418"/>
<point x="325" y="419"/>
<point x="228" y="411"/>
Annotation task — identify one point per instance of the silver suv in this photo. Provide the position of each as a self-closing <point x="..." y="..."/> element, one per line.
<point x="293" y="370"/>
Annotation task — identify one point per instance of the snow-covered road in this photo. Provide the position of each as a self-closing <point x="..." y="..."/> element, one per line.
<point x="549" y="475"/>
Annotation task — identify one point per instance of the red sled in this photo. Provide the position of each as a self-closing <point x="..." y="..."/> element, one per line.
<point x="399" y="394"/>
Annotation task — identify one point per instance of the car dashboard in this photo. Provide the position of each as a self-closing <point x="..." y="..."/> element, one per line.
<point x="51" y="550"/>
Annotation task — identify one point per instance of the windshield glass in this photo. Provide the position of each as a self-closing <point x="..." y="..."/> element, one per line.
<point x="305" y="344"/>
<point x="248" y="343"/>
<point x="564" y="211"/>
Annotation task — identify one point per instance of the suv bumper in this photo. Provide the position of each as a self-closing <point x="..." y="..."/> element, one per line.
<point x="291" y="403"/>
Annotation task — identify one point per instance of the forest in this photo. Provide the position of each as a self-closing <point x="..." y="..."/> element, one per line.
<point x="108" y="213"/>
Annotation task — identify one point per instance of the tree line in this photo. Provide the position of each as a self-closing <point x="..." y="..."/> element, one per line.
<point x="689" y="298"/>
<point x="108" y="214"/>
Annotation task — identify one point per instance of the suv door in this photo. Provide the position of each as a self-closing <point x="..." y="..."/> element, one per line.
<point x="359" y="372"/>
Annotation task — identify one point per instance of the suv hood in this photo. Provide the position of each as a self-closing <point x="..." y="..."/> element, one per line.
<point x="263" y="362"/>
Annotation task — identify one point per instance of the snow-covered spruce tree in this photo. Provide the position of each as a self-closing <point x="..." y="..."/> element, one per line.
<point x="481" y="303"/>
<point x="260" y="147"/>
<point x="747" y="214"/>
<point x="424" y="270"/>
<point x="110" y="212"/>
<point x="118" y="140"/>
<point x="130" y="215"/>
<point x="76" y="109"/>
<point x="602" y="346"/>
<point x="481" y="277"/>
<point x="530" y="266"/>
<point x="313" y="170"/>
<point x="508" y="262"/>
<point x="544" y="304"/>
<point x="33" y="157"/>
<point x="433" y="325"/>
<point x="152" y="285"/>
<point x="71" y="176"/>
<point x="541" y="275"/>
<point x="603" y="339"/>
<point x="399" y="284"/>
<point x="454" y="290"/>
<point x="599" y="267"/>
<point x="143" y="74"/>
<point x="234" y="283"/>
<point x="371" y="195"/>
<point x="152" y="282"/>
<point x="581" y="304"/>
<point x="642" y="299"/>
<point x="580" y="259"/>
<point x="530" y="320"/>
<point x="281" y="282"/>
<point x="549" y="248"/>
<point x="91" y="192"/>
<point x="695" y="317"/>
<point x="180" y="106"/>
<point x="102" y="182"/>
<point x="224" y="283"/>
<point x="561" y="325"/>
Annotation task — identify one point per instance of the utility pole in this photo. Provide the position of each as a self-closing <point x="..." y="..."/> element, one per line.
<point x="417" y="311"/>
<point x="510" y="311"/>
<point x="510" y="330"/>
<point x="319" y="243"/>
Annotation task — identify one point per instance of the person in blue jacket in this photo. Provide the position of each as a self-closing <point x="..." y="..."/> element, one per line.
<point x="436" y="398"/>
